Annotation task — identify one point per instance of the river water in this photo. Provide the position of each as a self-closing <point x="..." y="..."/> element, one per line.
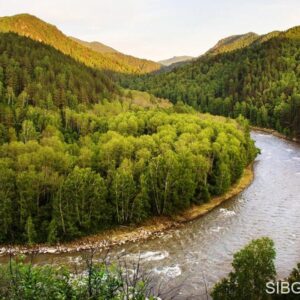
<point x="201" y="251"/>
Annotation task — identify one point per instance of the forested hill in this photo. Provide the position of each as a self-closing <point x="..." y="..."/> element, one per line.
<point x="35" y="77"/>
<point x="96" y="46"/>
<point x="31" y="26"/>
<point x="32" y="73"/>
<point x="78" y="155"/>
<point x="175" y="59"/>
<point x="236" y="42"/>
<point x="233" y="42"/>
<point x="260" y="81"/>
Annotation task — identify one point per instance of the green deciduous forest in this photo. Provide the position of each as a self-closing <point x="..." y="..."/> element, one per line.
<point x="259" y="81"/>
<point x="78" y="156"/>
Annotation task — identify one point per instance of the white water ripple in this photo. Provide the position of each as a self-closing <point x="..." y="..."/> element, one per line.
<point x="227" y="212"/>
<point x="170" y="271"/>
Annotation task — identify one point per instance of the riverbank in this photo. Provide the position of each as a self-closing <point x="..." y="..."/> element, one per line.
<point x="275" y="133"/>
<point x="149" y="229"/>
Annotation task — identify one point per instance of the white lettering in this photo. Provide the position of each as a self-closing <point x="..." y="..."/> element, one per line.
<point x="296" y="288"/>
<point x="285" y="287"/>
<point x="270" y="288"/>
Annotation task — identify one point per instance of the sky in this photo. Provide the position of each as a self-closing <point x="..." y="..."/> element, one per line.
<point x="159" y="29"/>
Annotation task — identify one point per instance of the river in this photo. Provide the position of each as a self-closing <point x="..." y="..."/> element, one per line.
<point x="202" y="249"/>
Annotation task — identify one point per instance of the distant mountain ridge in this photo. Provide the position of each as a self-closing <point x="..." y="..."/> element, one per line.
<point x="236" y="42"/>
<point x="174" y="60"/>
<point x="36" y="29"/>
<point x="96" y="46"/>
<point x="233" y="42"/>
<point x="256" y="76"/>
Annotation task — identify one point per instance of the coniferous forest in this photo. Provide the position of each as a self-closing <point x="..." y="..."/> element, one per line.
<point x="259" y="81"/>
<point x="36" y="29"/>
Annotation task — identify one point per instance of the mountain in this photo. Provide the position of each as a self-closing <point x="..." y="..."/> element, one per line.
<point x="30" y="26"/>
<point x="227" y="44"/>
<point x="175" y="59"/>
<point x="96" y="46"/>
<point x="236" y="42"/>
<point x="265" y="37"/>
<point x="145" y="66"/>
<point x="255" y="76"/>
<point x="233" y="42"/>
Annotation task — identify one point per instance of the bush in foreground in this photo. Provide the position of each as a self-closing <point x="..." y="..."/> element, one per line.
<point x="23" y="281"/>
<point x="253" y="267"/>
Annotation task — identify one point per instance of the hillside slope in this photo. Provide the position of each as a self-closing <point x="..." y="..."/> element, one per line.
<point x="31" y="26"/>
<point x="259" y="81"/>
<point x="174" y="60"/>
<point x="33" y="73"/>
<point x="236" y="42"/>
<point x="96" y="46"/>
<point x="233" y="42"/>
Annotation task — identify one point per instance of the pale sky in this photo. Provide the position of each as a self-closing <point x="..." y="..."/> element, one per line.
<point x="156" y="29"/>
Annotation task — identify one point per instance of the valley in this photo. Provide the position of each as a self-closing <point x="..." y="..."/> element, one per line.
<point x="114" y="167"/>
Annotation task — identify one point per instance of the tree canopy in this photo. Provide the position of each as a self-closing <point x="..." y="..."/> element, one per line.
<point x="78" y="155"/>
<point x="259" y="81"/>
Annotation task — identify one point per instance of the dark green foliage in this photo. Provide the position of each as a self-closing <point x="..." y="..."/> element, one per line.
<point x="295" y="274"/>
<point x="260" y="82"/>
<point x="87" y="53"/>
<point x="32" y="73"/>
<point x="294" y="278"/>
<point x="253" y="267"/>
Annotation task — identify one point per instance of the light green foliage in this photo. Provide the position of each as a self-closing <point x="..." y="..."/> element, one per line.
<point x="124" y="192"/>
<point x="162" y="165"/>
<point x="81" y="203"/>
<point x="30" y="231"/>
<point x="79" y="155"/>
<point x="23" y="281"/>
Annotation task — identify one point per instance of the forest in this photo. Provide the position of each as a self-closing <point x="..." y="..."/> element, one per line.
<point x="78" y="156"/>
<point x="35" y="28"/>
<point x="259" y="81"/>
<point x="99" y="144"/>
